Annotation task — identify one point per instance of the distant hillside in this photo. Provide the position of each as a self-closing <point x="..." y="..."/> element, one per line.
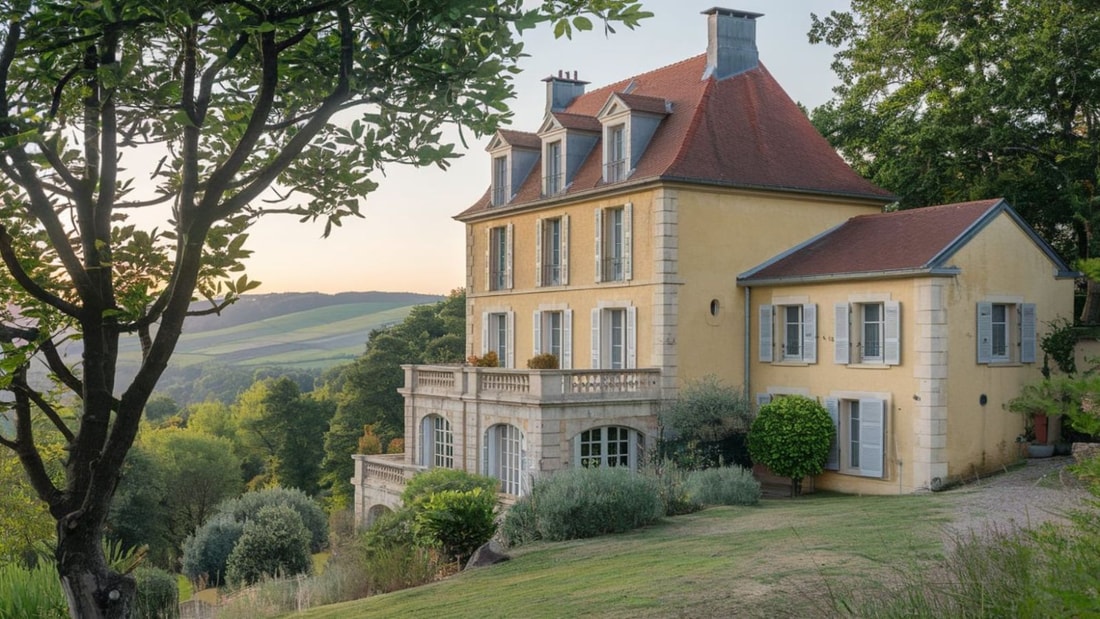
<point x="254" y="307"/>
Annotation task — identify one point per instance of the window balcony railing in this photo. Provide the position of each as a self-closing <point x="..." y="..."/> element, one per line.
<point x="613" y="269"/>
<point x="496" y="279"/>
<point x="551" y="275"/>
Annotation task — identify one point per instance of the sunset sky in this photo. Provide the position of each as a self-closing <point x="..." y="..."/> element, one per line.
<point x="408" y="241"/>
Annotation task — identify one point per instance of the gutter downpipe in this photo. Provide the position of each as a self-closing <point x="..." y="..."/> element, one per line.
<point x="748" y="334"/>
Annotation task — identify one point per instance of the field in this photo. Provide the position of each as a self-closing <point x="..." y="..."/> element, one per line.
<point x="800" y="558"/>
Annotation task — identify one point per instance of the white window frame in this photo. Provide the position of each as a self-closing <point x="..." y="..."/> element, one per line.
<point x="1016" y="325"/>
<point x="502" y="186"/>
<point x="437" y="442"/>
<point x="552" y="251"/>
<point x="614" y="228"/>
<point x="505" y="457"/>
<point x="544" y="334"/>
<point x="498" y="257"/>
<point x="850" y="331"/>
<point x="603" y="348"/>
<point x="870" y="436"/>
<point x="593" y="447"/>
<point x="777" y="317"/>
<point x="498" y="335"/>
<point x="616" y="151"/>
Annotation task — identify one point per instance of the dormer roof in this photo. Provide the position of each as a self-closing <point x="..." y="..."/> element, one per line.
<point x="638" y="103"/>
<point x="742" y="131"/>
<point x="574" y="122"/>
<point x="516" y="139"/>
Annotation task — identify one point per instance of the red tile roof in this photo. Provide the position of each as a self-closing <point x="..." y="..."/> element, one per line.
<point x="522" y="139"/>
<point x="742" y="131"/>
<point x="578" y="122"/>
<point x="916" y="240"/>
<point x="642" y="103"/>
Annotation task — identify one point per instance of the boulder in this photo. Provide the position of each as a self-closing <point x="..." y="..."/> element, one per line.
<point x="489" y="553"/>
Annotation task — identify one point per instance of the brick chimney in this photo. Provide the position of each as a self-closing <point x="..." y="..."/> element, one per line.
<point x="731" y="42"/>
<point x="561" y="90"/>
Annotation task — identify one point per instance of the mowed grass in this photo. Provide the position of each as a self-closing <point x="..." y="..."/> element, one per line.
<point x="783" y="558"/>
<point x="320" y="337"/>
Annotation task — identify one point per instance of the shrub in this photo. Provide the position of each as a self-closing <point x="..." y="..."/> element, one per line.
<point x="705" y="425"/>
<point x="396" y="446"/>
<point x="274" y="543"/>
<point x="791" y="436"/>
<point x="389" y="530"/>
<point x="580" y="503"/>
<point x="157" y="594"/>
<point x="33" y="593"/>
<point x="671" y="480"/>
<point x="423" y="485"/>
<point x="488" y="360"/>
<point x="313" y="517"/>
<point x="369" y="443"/>
<point x="456" y="521"/>
<point x="545" y="361"/>
<point x="206" y="552"/>
<point x="730" y="485"/>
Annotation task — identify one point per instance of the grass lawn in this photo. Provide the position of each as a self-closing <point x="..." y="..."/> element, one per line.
<point x="782" y="558"/>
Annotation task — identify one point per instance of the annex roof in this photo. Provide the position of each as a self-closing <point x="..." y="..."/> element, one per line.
<point x="910" y="242"/>
<point x="741" y="131"/>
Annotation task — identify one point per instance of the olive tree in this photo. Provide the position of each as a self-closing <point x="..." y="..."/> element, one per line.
<point x="140" y="140"/>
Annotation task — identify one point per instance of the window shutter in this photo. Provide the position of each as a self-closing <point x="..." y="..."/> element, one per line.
<point x="841" y="352"/>
<point x="536" y="322"/>
<point x="762" y="399"/>
<point x="766" y="333"/>
<point x="595" y="339"/>
<point x="599" y="245"/>
<point x="985" y="332"/>
<point x="891" y="352"/>
<point x="508" y="257"/>
<point x="488" y="258"/>
<point x="565" y="250"/>
<point x="872" y="423"/>
<point x="485" y="333"/>
<point x="628" y="241"/>
<point x="510" y="340"/>
<point x="631" y="337"/>
<point x="426" y="438"/>
<point x="567" y="340"/>
<point x="1027" y="333"/>
<point x="833" y="406"/>
<point x="488" y="453"/>
<point x="809" y="333"/>
<point x="538" y="252"/>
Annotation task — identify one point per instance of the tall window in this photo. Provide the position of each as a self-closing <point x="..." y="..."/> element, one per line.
<point x="504" y="457"/>
<point x="613" y="338"/>
<point x="859" y="444"/>
<point x="498" y="336"/>
<point x="502" y="191"/>
<point x="608" y="446"/>
<point x="555" y="178"/>
<point x="499" y="258"/>
<point x="614" y="244"/>
<point x="552" y="252"/>
<point x="869" y="333"/>
<point x="794" y="327"/>
<point x="615" y="169"/>
<point x="792" y="332"/>
<point x="437" y="443"/>
<point x="553" y="335"/>
<point x="616" y="339"/>
<point x="553" y="331"/>
<point x="873" y="332"/>
<point x="999" y="323"/>
<point x="852" y="423"/>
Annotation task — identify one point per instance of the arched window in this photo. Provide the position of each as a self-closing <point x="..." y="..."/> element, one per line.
<point x="437" y="443"/>
<point x="608" y="446"/>
<point x="504" y="456"/>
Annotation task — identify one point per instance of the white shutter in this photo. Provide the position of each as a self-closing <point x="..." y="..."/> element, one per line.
<point x="508" y="257"/>
<point x="1027" y="333"/>
<point x="595" y="339"/>
<point x="762" y="399"/>
<point x="485" y="347"/>
<point x="985" y="332"/>
<point x="628" y="241"/>
<point x="536" y="330"/>
<point x="841" y="337"/>
<point x="510" y="340"/>
<point x="766" y="333"/>
<point x="599" y="245"/>
<point x="872" y="423"/>
<point x="833" y="406"/>
<point x="631" y="337"/>
<point x="809" y="333"/>
<point x="488" y="258"/>
<point x="567" y="340"/>
<point x="427" y="435"/>
<point x="891" y="352"/>
<point x="489" y="453"/>
<point x="565" y="250"/>
<point x="538" y="252"/>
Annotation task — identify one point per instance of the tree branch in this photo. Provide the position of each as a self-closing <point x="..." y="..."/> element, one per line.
<point x="11" y="260"/>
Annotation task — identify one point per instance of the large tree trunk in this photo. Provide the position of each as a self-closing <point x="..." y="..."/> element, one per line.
<point x="92" y="590"/>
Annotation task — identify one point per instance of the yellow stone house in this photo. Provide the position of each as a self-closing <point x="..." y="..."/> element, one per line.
<point x="690" y="221"/>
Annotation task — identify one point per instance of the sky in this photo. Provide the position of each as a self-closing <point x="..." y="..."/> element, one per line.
<point x="408" y="241"/>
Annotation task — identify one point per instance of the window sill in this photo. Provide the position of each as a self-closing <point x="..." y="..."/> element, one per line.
<point x="1005" y="364"/>
<point x="791" y="363"/>
<point x="868" y="366"/>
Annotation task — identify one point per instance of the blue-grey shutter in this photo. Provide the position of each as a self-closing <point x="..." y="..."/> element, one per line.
<point x="536" y="341"/>
<point x="567" y="340"/>
<point x="832" y="463"/>
<point x="985" y="332"/>
<point x="595" y="339"/>
<point x="762" y="399"/>
<point x="1027" y="333"/>
<point x="809" y="333"/>
<point x="891" y="352"/>
<point x="766" y="333"/>
<point x="872" y="435"/>
<point x="509" y="340"/>
<point x="841" y="336"/>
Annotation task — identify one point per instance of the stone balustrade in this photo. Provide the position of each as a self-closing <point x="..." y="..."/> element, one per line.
<point x="532" y="385"/>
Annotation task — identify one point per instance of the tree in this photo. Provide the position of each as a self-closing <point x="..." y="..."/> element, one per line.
<point x="953" y="100"/>
<point x="232" y="103"/>
<point x="273" y="543"/>
<point x="706" y="424"/>
<point x="791" y="436"/>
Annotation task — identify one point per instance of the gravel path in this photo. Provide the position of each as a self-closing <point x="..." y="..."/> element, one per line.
<point x="1038" y="492"/>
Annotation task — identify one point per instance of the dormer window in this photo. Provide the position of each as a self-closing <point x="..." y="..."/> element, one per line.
<point x="616" y="166"/>
<point x="502" y="189"/>
<point x="555" y="176"/>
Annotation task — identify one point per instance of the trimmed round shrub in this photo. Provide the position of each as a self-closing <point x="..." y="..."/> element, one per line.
<point x="313" y="517"/>
<point x="158" y="595"/>
<point x="423" y="485"/>
<point x="580" y="503"/>
<point x="206" y="552"/>
<point x="730" y="485"/>
<point x="456" y="521"/>
<point x="791" y="436"/>
<point x="274" y="543"/>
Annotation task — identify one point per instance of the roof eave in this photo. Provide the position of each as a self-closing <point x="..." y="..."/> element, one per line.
<point x="749" y="282"/>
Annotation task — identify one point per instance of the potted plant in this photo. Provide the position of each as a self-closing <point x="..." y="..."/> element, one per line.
<point x="1039" y="402"/>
